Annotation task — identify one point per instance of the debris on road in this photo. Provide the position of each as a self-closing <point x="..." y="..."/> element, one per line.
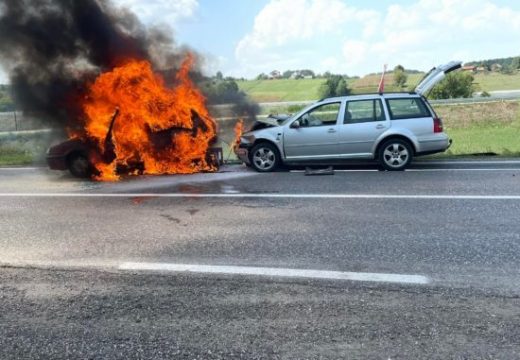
<point x="311" y="172"/>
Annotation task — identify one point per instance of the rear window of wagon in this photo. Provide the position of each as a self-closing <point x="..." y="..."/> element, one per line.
<point x="407" y="108"/>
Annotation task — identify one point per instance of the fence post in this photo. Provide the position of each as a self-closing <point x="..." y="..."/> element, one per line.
<point x="15" y="121"/>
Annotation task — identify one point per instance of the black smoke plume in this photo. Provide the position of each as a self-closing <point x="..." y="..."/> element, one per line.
<point x="53" y="48"/>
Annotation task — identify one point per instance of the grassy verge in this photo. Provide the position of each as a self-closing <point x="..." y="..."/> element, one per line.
<point x="485" y="140"/>
<point x="14" y="156"/>
<point x="483" y="128"/>
<point x="26" y="147"/>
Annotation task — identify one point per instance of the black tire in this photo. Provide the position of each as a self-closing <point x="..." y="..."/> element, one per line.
<point x="395" y="154"/>
<point x="79" y="165"/>
<point x="264" y="157"/>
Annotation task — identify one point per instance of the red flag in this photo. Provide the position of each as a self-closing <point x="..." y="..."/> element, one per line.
<point x="381" y="87"/>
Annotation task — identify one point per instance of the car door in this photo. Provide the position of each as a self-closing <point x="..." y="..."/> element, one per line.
<point x="435" y="75"/>
<point x="314" y="134"/>
<point x="364" y="121"/>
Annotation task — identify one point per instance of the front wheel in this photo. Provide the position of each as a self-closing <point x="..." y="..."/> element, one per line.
<point x="395" y="155"/>
<point x="79" y="165"/>
<point x="265" y="157"/>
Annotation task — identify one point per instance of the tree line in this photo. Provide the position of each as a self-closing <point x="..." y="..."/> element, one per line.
<point x="507" y="65"/>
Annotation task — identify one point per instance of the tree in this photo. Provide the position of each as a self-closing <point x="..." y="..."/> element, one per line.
<point x="335" y="85"/>
<point x="262" y="76"/>
<point x="400" y="77"/>
<point x="307" y="72"/>
<point x="287" y="74"/>
<point x="219" y="75"/>
<point x="342" y="88"/>
<point x="515" y="64"/>
<point x="455" y="85"/>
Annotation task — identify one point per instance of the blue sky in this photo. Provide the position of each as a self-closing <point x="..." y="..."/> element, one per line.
<point x="247" y="37"/>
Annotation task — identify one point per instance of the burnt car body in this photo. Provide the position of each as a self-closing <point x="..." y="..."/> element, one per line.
<point x="72" y="155"/>
<point x="75" y="154"/>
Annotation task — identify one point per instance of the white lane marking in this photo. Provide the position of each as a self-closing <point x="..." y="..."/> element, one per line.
<point x="463" y="162"/>
<point x="418" y="170"/>
<point x="350" y="170"/>
<point x="276" y="272"/>
<point x="261" y="196"/>
<point x="444" y="170"/>
<point x="111" y="265"/>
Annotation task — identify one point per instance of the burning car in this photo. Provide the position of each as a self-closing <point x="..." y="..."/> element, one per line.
<point x="134" y="124"/>
<point x="76" y="154"/>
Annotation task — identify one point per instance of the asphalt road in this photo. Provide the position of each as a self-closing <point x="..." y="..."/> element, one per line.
<point x="89" y="269"/>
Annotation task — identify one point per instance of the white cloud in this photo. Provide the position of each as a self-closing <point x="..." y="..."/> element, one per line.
<point x="355" y="51"/>
<point x="274" y="26"/>
<point x="211" y="63"/>
<point x="161" y="11"/>
<point x="282" y="22"/>
<point x="417" y="35"/>
<point x="438" y="29"/>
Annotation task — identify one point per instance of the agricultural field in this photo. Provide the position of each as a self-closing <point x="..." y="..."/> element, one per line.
<point x="492" y="128"/>
<point x="496" y="81"/>
<point x="282" y="90"/>
<point x="308" y="89"/>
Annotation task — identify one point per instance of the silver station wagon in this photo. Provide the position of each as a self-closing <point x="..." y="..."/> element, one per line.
<point x="390" y="128"/>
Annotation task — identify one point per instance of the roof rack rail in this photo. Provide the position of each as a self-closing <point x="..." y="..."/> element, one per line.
<point x="371" y="93"/>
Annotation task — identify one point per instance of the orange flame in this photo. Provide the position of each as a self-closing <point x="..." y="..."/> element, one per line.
<point x="239" y="129"/>
<point x="165" y="130"/>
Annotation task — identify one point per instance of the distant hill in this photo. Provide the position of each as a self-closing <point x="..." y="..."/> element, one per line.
<point x="501" y="61"/>
<point x="408" y="71"/>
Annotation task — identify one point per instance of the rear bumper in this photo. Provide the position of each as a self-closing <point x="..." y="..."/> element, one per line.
<point x="434" y="145"/>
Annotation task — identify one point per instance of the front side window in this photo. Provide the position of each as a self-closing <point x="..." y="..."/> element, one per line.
<point x="362" y="111"/>
<point x="407" y="108"/>
<point x="323" y="115"/>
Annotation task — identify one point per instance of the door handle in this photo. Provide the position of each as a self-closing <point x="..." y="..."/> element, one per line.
<point x="380" y="126"/>
<point x="331" y="131"/>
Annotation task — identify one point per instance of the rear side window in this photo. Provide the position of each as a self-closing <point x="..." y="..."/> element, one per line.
<point x="362" y="111"/>
<point x="408" y="108"/>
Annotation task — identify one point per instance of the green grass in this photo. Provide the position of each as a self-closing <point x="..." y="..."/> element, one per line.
<point x="501" y="141"/>
<point x="482" y="128"/>
<point x="14" y="156"/>
<point x="282" y="90"/>
<point x="370" y="83"/>
<point x="308" y="89"/>
<point x="497" y="81"/>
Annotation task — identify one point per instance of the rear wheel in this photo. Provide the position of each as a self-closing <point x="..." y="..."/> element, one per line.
<point x="265" y="157"/>
<point x="395" y="155"/>
<point x="79" y="165"/>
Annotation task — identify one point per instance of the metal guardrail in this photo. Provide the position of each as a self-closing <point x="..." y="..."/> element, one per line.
<point x="504" y="97"/>
<point x="513" y="97"/>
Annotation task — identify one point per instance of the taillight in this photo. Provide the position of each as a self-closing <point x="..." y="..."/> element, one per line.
<point x="437" y="125"/>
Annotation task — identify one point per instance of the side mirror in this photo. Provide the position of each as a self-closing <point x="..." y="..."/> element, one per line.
<point x="295" y="125"/>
